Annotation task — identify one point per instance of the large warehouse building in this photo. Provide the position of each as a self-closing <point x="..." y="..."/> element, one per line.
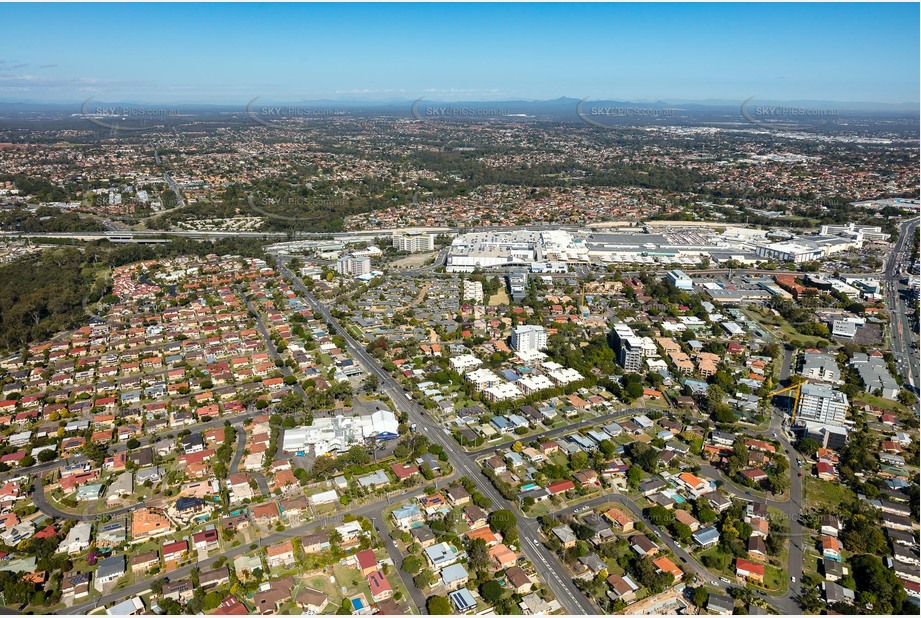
<point x="340" y="433"/>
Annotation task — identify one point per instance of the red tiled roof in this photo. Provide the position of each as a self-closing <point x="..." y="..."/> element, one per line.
<point x="366" y="559"/>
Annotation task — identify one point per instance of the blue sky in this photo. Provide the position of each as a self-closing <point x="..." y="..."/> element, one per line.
<point x="231" y="53"/>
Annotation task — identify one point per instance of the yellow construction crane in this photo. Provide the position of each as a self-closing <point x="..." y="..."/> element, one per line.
<point x="795" y="388"/>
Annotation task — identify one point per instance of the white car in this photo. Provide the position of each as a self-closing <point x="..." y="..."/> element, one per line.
<point x="793" y="580"/>
<point x="536" y="542"/>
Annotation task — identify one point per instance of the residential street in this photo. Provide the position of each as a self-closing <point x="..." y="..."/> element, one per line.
<point x="367" y="510"/>
<point x="569" y="596"/>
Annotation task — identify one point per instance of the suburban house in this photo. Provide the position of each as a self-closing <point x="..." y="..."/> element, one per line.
<point x="281" y="554"/>
<point x="746" y="569"/>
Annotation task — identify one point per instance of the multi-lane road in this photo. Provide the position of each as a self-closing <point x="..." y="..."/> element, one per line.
<point x="902" y="334"/>
<point x="556" y="574"/>
<point x="545" y="561"/>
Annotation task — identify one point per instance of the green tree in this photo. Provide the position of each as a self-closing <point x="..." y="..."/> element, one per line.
<point x="659" y="515"/>
<point x="634" y="476"/>
<point x="491" y="591"/>
<point x="212" y="600"/>
<point x="477" y="555"/>
<point x="424" y="579"/>
<point x="807" y="446"/>
<point x="633" y="391"/>
<point x="502" y="521"/>
<point x="412" y="564"/>
<point x="607" y="448"/>
<point x="875" y="581"/>
<point x="681" y="531"/>
<point x="700" y="596"/>
<point x="95" y="452"/>
<point x="578" y="460"/>
<point x="438" y="606"/>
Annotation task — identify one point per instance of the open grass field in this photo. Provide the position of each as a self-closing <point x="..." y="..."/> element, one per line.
<point x="825" y="492"/>
<point x="415" y="260"/>
<point x="879" y="402"/>
<point x="499" y="298"/>
<point x="779" y="326"/>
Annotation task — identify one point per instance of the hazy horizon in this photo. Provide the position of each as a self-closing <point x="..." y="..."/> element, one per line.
<point x="227" y="54"/>
<point x="371" y="102"/>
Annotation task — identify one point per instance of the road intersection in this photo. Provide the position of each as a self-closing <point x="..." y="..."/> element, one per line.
<point x="567" y="593"/>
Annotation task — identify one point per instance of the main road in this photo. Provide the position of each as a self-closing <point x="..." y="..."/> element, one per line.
<point x="901" y="332"/>
<point x="545" y="561"/>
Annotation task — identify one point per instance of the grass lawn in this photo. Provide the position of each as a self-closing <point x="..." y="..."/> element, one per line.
<point x="728" y="572"/>
<point x="775" y="580"/>
<point x="539" y="509"/>
<point x="350" y="578"/>
<point x="499" y="298"/>
<point x="820" y="492"/>
<point x="774" y="323"/>
<point x="559" y="458"/>
<point x="812" y="561"/>
<point x="654" y="404"/>
<point x="879" y="402"/>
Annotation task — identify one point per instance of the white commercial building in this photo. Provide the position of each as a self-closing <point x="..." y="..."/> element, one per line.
<point x="874" y="373"/>
<point x="534" y="383"/>
<point x="355" y="266"/>
<point x="529" y="338"/>
<point x="821" y="404"/>
<point x="868" y="232"/>
<point x="680" y="279"/>
<point x="483" y="379"/>
<point x="472" y="291"/>
<point x="564" y="376"/>
<point x="796" y="252"/>
<point x="464" y="363"/>
<point x="844" y="328"/>
<point x="821" y="367"/>
<point x="501" y="392"/>
<point x="414" y="243"/>
<point x="628" y="347"/>
<point x="339" y="433"/>
<point x="516" y="248"/>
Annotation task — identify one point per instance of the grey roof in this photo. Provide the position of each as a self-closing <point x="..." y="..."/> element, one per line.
<point x="720" y="602"/>
<point x="378" y="477"/>
<point x="462" y="599"/>
<point x="706" y="535"/>
<point x="422" y="534"/>
<point x="593" y="562"/>
<point x="453" y="573"/>
<point x="833" y="568"/>
<point x="564" y="533"/>
<point x="874" y="374"/>
<point x="111" y="566"/>
<point x="652" y="484"/>
<point x="825" y="363"/>
<point x="835" y="593"/>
